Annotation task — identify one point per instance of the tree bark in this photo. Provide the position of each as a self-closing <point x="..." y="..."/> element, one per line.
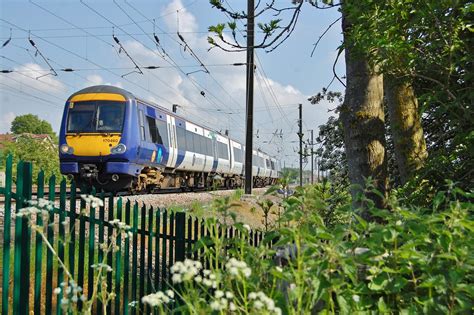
<point x="407" y="132"/>
<point x="362" y="115"/>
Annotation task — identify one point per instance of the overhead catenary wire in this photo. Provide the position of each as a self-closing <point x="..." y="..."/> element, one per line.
<point x="49" y="102"/>
<point x="114" y="37"/>
<point x="90" y="61"/>
<point x="169" y="59"/>
<point x="31" y="70"/>
<point x="71" y="69"/>
<point x="172" y="61"/>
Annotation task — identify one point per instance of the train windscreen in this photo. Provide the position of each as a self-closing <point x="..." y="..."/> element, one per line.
<point x="96" y="116"/>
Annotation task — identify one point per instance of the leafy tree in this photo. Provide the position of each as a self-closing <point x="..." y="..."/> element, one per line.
<point x="30" y="123"/>
<point x="27" y="149"/>
<point x="425" y="51"/>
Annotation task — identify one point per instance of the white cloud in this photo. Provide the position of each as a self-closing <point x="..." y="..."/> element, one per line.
<point x="94" y="79"/>
<point x="31" y="76"/>
<point x="187" y="21"/>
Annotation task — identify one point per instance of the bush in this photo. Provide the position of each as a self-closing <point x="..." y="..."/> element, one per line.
<point x="419" y="260"/>
<point x="30" y="150"/>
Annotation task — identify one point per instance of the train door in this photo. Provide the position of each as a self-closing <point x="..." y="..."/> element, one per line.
<point x="231" y="156"/>
<point x="173" y="154"/>
<point x="142" y="148"/>
<point x="214" y="153"/>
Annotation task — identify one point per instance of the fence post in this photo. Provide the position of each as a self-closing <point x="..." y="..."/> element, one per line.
<point x="7" y="234"/>
<point x="22" y="241"/>
<point x="180" y="236"/>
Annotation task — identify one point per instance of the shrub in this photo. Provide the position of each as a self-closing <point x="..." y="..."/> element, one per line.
<point x="415" y="260"/>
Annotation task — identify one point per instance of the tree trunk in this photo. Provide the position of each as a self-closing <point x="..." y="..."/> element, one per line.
<point x="405" y="123"/>
<point x="362" y="115"/>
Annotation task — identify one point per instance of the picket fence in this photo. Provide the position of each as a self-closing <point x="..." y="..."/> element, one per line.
<point x="30" y="272"/>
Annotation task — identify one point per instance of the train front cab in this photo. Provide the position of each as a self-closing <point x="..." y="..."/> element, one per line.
<point x="97" y="138"/>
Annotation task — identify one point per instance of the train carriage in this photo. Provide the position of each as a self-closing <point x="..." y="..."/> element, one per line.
<point x="114" y="141"/>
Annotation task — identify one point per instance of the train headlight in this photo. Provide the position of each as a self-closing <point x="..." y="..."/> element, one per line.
<point x="118" y="149"/>
<point x="66" y="149"/>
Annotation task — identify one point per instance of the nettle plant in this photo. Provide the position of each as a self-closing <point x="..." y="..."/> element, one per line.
<point x="410" y="260"/>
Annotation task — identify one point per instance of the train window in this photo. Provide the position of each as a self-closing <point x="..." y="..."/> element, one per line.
<point x="189" y="141"/>
<point x="238" y="155"/>
<point x="181" y="135"/>
<point x="222" y="149"/>
<point x="202" y="142"/>
<point x="197" y="143"/>
<point x="110" y="116"/>
<point x="153" y="130"/>
<point x="142" y="125"/>
<point x="209" y="150"/>
<point x="273" y="165"/>
<point x="81" y="117"/>
<point x="268" y="163"/>
<point x="163" y="132"/>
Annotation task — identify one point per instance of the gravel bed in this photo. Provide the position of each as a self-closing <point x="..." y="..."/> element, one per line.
<point x="184" y="199"/>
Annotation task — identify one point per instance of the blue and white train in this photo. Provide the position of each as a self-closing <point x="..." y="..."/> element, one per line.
<point x="114" y="141"/>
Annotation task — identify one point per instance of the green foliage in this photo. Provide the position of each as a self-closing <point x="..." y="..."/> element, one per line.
<point x="430" y="44"/>
<point x="30" y="123"/>
<point x="44" y="157"/>
<point x="269" y="28"/>
<point x="419" y="260"/>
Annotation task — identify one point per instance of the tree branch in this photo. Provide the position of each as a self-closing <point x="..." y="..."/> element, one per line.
<point x="334" y="66"/>
<point x="322" y="35"/>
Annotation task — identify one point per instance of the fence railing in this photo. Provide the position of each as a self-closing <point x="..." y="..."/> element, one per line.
<point x="79" y="233"/>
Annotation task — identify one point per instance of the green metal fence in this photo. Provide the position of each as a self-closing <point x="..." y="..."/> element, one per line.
<point x="30" y="272"/>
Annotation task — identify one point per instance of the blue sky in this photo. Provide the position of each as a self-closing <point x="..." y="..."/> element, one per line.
<point x="82" y="40"/>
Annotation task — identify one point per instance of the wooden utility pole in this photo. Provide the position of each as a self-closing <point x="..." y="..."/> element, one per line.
<point x="250" y="72"/>
<point x="300" y="134"/>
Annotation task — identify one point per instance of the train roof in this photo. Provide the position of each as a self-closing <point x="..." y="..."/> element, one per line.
<point x="105" y="89"/>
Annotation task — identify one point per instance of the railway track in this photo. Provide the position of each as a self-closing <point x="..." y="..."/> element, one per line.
<point x="118" y="194"/>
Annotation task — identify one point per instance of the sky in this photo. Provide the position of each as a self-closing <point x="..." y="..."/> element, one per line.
<point x="79" y="35"/>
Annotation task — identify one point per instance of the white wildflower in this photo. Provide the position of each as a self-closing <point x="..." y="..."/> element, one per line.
<point x="215" y="305"/>
<point x="57" y="291"/>
<point x="356" y="298"/>
<point x="170" y="293"/>
<point x="247" y="272"/>
<point x="177" y="278"/>
<point x="218" y="294"/>
<point x="229" y="295"/>
<point x="93" y="201"/>
<point x="236" y="267"/>
<point x="156" y="299"/>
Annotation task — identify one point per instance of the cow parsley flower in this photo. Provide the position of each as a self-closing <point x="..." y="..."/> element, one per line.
<point x="158" y="298"/>
<point x="238" y="268"/>
<point x="185" y="271"/>
<point x="260" y="301"/>
<point x="93" y="201"/>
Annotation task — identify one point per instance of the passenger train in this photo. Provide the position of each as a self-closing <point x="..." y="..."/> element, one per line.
<point x="112" y="140"/>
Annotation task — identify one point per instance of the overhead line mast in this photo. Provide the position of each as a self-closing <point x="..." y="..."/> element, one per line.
<point x="250" y="73"/>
